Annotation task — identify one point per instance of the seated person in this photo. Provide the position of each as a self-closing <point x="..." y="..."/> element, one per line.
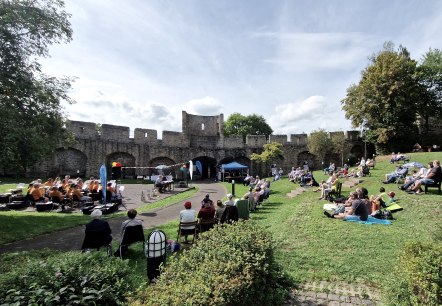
<point x="207" y="201"/>
<point x="399" y="172"/>
<point x="330" y="185"/>
<point x="219" y="211"/>
<point x="434" y="176"/>
<point x="206" y="214"/>
<point x="55" y="195"/>
<point x="410" y="180"/>
<point x="187" y="215"/>
<point x="131" y="221"/>
<point x="97" y="225"/>
<point x="35" y="193"/>
<point x="379" y="201"/>
<point x="358" y="210"/>
<point x="230" y="201"/>
<point x="159" y="183"/>
<point x="49" y="183"/>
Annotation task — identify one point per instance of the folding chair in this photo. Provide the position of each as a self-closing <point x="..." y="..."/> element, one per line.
<point x="96" y="240"/>
<point x="205" y="224"/>
<point x="336" y="192"/>
<point x="187" y="228"/>
<point x="131" y="235"/>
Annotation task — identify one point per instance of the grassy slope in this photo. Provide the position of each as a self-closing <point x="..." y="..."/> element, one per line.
<point x="312" y="246"/>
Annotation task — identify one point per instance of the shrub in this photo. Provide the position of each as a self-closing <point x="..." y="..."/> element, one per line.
<point x="71" y="278"/>
<point x="418" y="279"/>
<point x="231" y="265"/>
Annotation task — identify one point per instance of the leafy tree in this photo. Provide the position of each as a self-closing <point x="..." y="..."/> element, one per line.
<point x="240" y="125"/>
<point x="32" y="116"/>
<point x="269" y="153"/>
<point x="429" y="74"/>
<point x="384" y="100"/>
<point x="319" y="143"/>
<point x="340" y="145"/>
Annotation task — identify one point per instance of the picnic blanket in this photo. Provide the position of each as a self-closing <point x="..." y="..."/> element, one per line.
<point x="394" y="207"/>
<point x="372" y="220"/>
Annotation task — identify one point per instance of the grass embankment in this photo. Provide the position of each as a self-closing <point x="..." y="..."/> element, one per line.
<point x="18" y="225"/>
<point x="313" y="247"/>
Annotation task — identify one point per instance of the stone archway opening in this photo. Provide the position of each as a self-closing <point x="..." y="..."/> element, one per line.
<point x="208" y="167"/>
<point x="126" y="159"/>
<point x="69" y="161"/>
<point x="160" y="162"/>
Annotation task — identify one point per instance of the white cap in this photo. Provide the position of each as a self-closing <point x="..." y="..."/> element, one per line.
<point x="229" y="196"/>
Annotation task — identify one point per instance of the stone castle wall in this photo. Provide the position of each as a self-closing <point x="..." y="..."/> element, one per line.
<point x="202" y="139"/>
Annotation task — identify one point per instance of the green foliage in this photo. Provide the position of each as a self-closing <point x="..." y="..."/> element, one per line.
<point x="32" y="117"/>
<point x="384" y="100"/>
<point x="418" y="278"/>
<point x="269" y="153"/>
<point x="70" y="279"/>
<point x="319" y="143"/>
<point x="240" y="125"/>
<point x="429" y="74"/>
<point x="231" y="265"/>
<point x="340" y="145"/>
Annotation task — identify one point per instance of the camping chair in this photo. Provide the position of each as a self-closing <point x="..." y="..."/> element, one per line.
<point x="187" y="228"/>
<point x="131" y="234"/>
<point x="96" y="240"/>
<point x="205" y="224"/>
<point x="336" y="193"/>
<point x="243" y="209"/>
<point x="230" y="215"/>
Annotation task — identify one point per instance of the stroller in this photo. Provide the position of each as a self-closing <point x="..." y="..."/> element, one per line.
<point x="366" y="171"/>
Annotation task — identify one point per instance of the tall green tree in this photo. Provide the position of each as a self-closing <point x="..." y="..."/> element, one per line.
<point x="32" y="118"/>
<point x="384" y="100"/>
<point x="269" y="153"/>
<point x="340" y="146"/>
<point x="429" y="75"/>
<point x="240" y="125"/>
<point x="320" y="144"/>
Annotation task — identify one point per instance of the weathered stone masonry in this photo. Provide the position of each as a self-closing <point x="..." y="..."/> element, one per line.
<point x="202" y="139"/>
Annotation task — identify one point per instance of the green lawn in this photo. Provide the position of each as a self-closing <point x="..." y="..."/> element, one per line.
<point x="18" y="225"/>
<point x="313" y="247"/>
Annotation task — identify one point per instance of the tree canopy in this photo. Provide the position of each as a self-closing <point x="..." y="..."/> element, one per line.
<point x="30" y="102"/>
<point x="393" y="92"/>
<point x="319" y="143"/>
<point x="269" y="153"/>
<point x="240" y="125"/>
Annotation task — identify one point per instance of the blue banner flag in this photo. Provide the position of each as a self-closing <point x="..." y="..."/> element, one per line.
<point x="199" y="167"/>
<point x="103" y="179"/>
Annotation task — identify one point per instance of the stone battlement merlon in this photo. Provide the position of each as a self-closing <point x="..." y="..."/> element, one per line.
<point x="91" y="130"/>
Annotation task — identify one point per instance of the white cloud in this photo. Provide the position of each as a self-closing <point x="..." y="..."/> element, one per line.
<point x="206" y="106"/>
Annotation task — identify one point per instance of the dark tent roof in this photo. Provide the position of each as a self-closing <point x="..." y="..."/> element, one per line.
<point x="233" y="166"/>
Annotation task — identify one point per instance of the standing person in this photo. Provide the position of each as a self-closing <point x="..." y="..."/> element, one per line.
<point x="187" y="215"/>
<point x="131" y="221"/>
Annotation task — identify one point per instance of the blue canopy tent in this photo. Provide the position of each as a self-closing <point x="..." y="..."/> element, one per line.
<point x="232" y="166"/>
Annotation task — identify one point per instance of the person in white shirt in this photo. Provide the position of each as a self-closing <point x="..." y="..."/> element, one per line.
<point x="230" y="201"/>
<point x="187" y="215"/>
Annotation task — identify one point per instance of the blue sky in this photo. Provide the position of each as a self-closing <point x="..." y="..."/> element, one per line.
<point x="139" y="63"/>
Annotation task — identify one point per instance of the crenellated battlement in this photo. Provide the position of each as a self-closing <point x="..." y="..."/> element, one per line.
<point x="201" y="131"/>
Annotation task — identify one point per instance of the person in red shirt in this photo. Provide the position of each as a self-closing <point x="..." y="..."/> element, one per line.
<point x="206" y="217"/>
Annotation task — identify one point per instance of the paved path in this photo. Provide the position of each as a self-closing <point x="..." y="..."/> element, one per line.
<point x="72" y="238"/>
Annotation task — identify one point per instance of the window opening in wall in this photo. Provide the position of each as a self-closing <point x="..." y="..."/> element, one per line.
<point x="145" y="135"/>
<point x="202" y="126"/>
<point x="82" y="129"/>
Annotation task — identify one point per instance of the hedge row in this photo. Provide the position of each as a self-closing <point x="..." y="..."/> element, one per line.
<point x="231" y="265"/>
<point x="418" y="276"/>
<point x="72" y="278"/>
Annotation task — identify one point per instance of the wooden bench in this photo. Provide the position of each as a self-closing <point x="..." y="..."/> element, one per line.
<point x="435" y="185"/>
